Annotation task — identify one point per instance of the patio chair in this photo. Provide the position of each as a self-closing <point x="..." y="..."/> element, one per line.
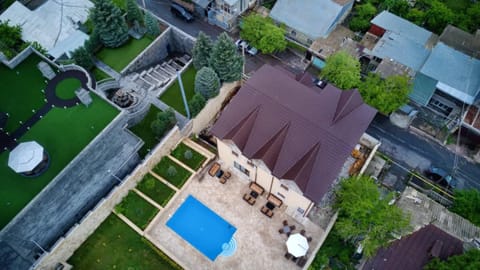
<point x="280" y="231"/>
<point x="309" y="239"/>
<point x="292" y="227"/>
<point x="222" y="180"/>
<point x="248" y="199"/>
<point x="214" y="169"/>
<point x="302" y="261"/>
<point x="227" y="175"/>
<point x="267" y="212"/>
<point x="288" y="256"/>
<point x="285" y="223"/>
<point x="302" y="232"/>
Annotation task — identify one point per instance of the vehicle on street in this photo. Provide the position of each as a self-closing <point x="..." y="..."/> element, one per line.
<point x="321" y="83"/>
<point x="181" y="12"/>
<point x="441" y="177"/>
<point x="247" y="47"/>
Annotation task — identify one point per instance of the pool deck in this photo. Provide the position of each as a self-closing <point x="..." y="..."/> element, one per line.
<point x="259" y="244"/>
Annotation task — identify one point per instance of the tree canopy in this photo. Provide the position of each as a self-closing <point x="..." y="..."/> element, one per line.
<point x="207" y="83"/>
<point x="263" y="34"/>
<point x="201" y="50"/>
<point x="363" y="14"/>
<point x="151" y="23"/>
<point x="225" y="60"/>
<point x="83" y="58"/>
<point x="109" y="23"/>
<point x="165" y="121"/>
<point x="365" y="217"/>
<point x="10" y="39"/>
<point x="469" y="260"/>
<point x="342" y="69"/>
<point x="133" y="12"/>
<point x="196" y="104"/>
<point x="385" y="95"/>
<point x="467" y="204"/>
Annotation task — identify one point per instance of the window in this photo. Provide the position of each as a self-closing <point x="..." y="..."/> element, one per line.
<point x="235" y="153"/>
<point x="241" y="168"/>
<point x="281" y="195"/>
<point x="284" y="187"/>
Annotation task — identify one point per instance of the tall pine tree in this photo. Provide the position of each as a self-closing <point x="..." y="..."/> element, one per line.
<point x="201" y="51"/>
<point x="109" y="23"/>
<point x="133" y="12"/>
<point x="225" y="60"/>
<point x="152" y="25"/>
<point x="207" y="83"/>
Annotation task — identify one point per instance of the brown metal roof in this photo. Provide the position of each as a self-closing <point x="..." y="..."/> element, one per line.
<point x="301" y="134"/>
<point x="415" y="250"/>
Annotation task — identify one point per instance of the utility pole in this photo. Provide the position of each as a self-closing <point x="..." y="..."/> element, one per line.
<point x="185" y="103"/>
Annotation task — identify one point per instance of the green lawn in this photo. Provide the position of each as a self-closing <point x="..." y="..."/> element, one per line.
<point x="181" y="173"/>
<point x="114" y="245"/>
<point x="119" y="58"/>
<point x="21" y="91"/>
<point x="155" y="189"/>
<point x="63" y="133"/>
<point x="173" y="97"/>
<point x="144" y="131"/>
<point x="66" y="88"/>
<point x="194" y="162"/>
<point x="137" y="209"/>
<point x="99" y="74"/>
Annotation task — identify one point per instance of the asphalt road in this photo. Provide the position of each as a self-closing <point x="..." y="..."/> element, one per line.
<point x="416" y="152"/>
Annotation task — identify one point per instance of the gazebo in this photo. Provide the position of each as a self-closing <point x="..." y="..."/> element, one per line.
<point x="28" y="159"/>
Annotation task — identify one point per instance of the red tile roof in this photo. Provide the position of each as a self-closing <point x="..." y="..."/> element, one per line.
<point x="415" y="250"/>
<point x="301" y="134"/>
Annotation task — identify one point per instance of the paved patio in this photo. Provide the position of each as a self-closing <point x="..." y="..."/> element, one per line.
<point x="259" y="244"/>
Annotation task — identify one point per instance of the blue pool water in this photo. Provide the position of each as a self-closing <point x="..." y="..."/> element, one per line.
<point x="202" y="228"/>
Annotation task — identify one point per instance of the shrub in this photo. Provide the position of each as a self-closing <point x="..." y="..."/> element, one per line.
<point x="196" y="104"/>
<point x="171" y="171"/>
<point x="188" y="154"/>
<point x="207" y="83"/>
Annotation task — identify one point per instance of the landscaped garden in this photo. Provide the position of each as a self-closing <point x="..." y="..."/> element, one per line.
<point x="63" y="133"/>
<point x="119" y="58"/>
<point x="21" y="91"/>
<point x="188" y="156"/>
<point x="144" y="131"/>
<point x="114" y="245"/>
<point x="137" y="209"/>
<point x="172" y="172"/>
<point x="173" y="97"/>
<point x="66" y="88"/>
<point x="155" y="189"/>
<point x="99" y="74"/>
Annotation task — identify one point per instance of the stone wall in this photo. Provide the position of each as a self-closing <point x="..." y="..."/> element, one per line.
<point x="180" y="42"/>
<point x="64" y="247"/>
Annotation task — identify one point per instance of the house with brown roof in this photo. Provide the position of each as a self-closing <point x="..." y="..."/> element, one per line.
<point x="290" y="138"/>
<point x="416" y="250"/>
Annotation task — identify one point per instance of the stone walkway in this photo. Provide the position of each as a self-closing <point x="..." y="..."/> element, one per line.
<point x="107" y="69"/>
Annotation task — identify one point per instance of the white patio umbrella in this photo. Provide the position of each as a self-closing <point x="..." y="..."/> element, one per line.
<point x="25" y="157"/>
<point x="297" y="245"/>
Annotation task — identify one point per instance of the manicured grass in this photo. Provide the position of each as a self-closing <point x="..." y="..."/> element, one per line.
<point x="137" y="209"/>
<point x="144" y="131"/>
<point x="119" y="58"/>
<point x="194" y="162"/>
<point x="66" y="88"/>
<point x="114" y="245"/>
<point x="99" y="74"/>
<point x="180" y="176"/>
<point x="155" y="189"/>
<point x="21" y="91"/>
<point x="63" y="133"/>
<point x="173" y="97"/>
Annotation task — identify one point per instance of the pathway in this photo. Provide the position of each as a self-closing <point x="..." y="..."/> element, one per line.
<point x="107" y="69"/>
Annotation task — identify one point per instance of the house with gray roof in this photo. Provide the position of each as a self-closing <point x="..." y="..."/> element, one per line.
<point x="309" y="20"/>
<point x="225" y="13"/>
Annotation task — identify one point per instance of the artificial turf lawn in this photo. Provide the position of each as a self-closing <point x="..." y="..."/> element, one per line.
<point x="114" y="245"/>
<point x="173" y="97"/>
<point x="144" y="131"/>
<point x="99" y="74"/>
<point x="63" y="133"/>
<point x="66" y="88"/>
<point x="194" y="162"/>
<point x="137" y="209"/>
<point x="21" y="91"/>
<point x="178" y="179"/>
<point x="155" y="189"/>
<point x="119" y="58"/>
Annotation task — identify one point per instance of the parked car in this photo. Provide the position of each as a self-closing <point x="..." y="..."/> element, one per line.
<point x="441" y="177"/>
<point x="181" y="12"/>
<point x="244" y="44"/>
<point x="321" y="83"/>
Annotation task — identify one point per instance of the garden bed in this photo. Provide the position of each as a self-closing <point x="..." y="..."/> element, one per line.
<point x="144" y="131"/>
<point x="173" y="97"/>
<point x="114" y="245"/>
<point x="155" y="189"/>
<point x="193" y="160"/>
<point x="137" y="209"/>
<point x="178" y="178"/>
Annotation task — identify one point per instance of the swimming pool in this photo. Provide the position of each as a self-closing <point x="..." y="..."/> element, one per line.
<point x="201" y="227"/>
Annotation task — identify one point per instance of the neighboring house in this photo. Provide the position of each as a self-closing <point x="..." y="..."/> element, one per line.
<point x="445" y="69"/>
<point x="291" y="139"/>
<point x="414" y="251"/>
<point x="54" y="24"/>
<point x="309" y="20"/>
<point x="224" y="13"/>
<point x="202" y="7"/>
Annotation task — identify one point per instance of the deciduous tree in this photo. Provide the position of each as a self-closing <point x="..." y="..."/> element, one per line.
<point x="438" y="16"/>
<point x="343" y="70"/>
<point x="225" y="60"/>
<point x="207" y="83"/>
<point x="83" y="58"/>
<point x="165" y="121"/>
<point x="201" y="50"/>
<point x="110" y="24"/>
<point x="263" y="34"/>
<point x="469" y="260"/>
<point x="467" y="205"/>
<point x="365" y="216"/>
<point x="363" y="14"/>
<point x="196" y="104"/>
<point x="10" y="39"/>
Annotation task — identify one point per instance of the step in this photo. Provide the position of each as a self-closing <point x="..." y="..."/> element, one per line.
<point x="158" y="75"/>
<point x="162" y="72"/>
<point x="166" y="71"/>
<point x="169" y="68"/>
<point x="157" y="81"/>
<point x="181" y="60"/>
<point x="174" y="64"/>
<point x="177" y="60"/>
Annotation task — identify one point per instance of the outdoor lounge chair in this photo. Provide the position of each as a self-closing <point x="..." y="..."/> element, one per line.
<point x="249" y="199"/>
<point x="285" y="223"/>
<point x="214" y="169"/>
<point x="302" y="232"/>
<point x="267" y="212"/>
<point x="288" y="256"/>
<point x="225" y="177"/>
<point x="302" y="261"/>
<point x="309" y="239"/>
